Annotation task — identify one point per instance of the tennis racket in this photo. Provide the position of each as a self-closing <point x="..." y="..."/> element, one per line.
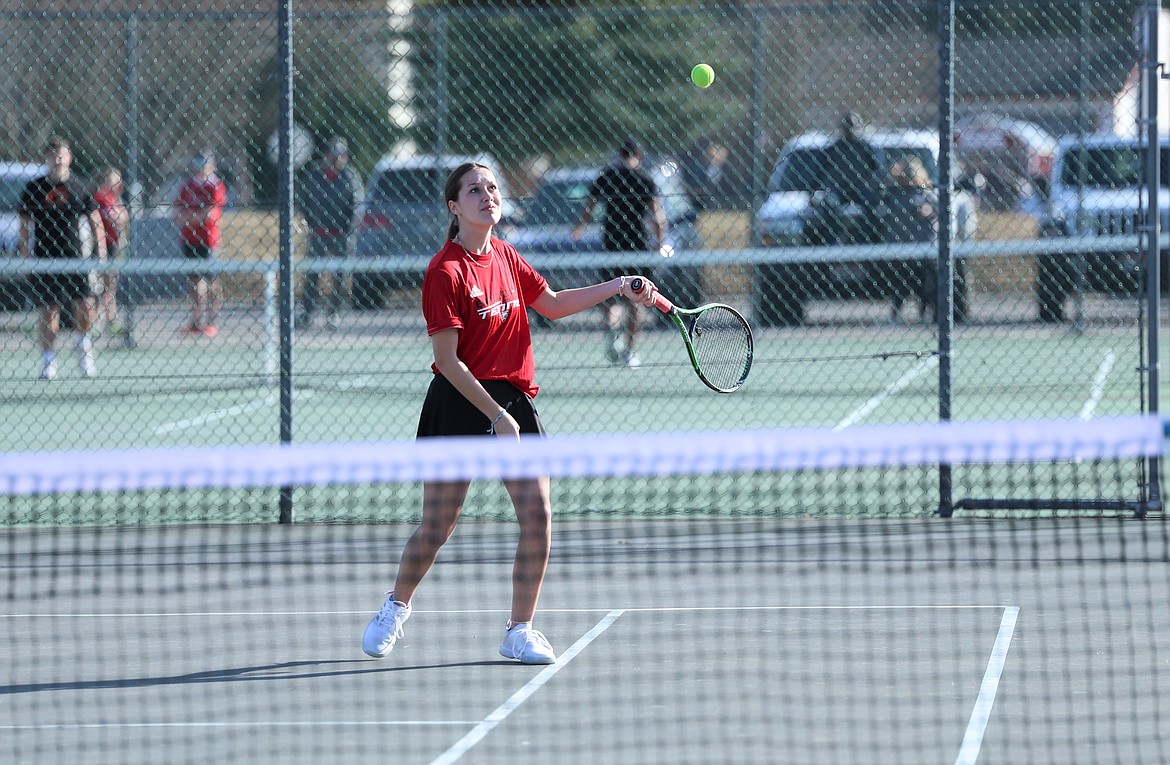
<point x="718" y="340"/>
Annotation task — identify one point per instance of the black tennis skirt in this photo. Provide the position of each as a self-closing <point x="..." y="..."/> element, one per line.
<point x="446" y="412"/>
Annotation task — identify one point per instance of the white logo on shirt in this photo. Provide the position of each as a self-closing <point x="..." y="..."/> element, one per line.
<point x="500" y="308"/>
<point x="475" y="292"/>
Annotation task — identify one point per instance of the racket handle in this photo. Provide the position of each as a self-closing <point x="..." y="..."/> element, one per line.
<point x="660" y="301"/>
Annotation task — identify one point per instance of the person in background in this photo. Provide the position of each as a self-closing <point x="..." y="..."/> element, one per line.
<point x="707" y="176"/>
<point x="52" y="210"/>
<point x="912" y="205"/>
<point x="631" y="200"/>
<point x="330" y="197"/>
<point x="198" y="209"/>
<point x="474" y="297"/>
<point x="115" y="225"/>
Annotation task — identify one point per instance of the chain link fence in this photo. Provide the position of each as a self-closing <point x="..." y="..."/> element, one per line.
<point x="829" y="245"/>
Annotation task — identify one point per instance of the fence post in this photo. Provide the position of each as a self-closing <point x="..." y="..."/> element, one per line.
<point x="945" y="302"/>
<point x="1152" y="77"/>
<point x="284" y="169"/>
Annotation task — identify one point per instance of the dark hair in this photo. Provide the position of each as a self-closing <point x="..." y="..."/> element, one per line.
<point x="851" y="123"/>
<point x="451" y="191"/>
<point x="629" y="148"/>
<point x="56" y="143"/>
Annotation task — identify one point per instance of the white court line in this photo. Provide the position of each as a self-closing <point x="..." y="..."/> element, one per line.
<point x="367" y="612"/>
<point x="1098" y="391"/>
<point x="252" y="724"/>
<point x="973" y="738"/>
<point x="893" y="388"/>
<point x="460" y="747"/>
<point x="223" y="414"/>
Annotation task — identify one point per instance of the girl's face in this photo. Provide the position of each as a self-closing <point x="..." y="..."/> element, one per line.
<point x="479" y="200"/>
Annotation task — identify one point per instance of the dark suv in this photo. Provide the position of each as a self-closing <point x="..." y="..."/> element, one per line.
<point x="802" y="211"/>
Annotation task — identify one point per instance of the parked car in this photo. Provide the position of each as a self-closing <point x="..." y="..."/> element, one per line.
<point x="1015" y="156"/>
<point x="1097" y="191"/>
<point x="801" y="211"/>
<point x="403" y="215"/>
<point x="545" y="222"/>
<point x="14" y="176"/>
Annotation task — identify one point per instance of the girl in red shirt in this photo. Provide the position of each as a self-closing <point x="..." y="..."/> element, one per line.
<point x="475" y="292"/>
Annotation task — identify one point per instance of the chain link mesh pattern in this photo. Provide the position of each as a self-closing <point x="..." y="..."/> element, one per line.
<point x="831" y="248"/>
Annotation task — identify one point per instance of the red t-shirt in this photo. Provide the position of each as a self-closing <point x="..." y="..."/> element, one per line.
<point x="485" y="298"/>
<point x="107" y="200"/>
<point x="207" y="196"/>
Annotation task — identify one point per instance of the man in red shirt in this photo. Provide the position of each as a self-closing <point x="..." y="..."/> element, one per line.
<point x="198" y="209"/>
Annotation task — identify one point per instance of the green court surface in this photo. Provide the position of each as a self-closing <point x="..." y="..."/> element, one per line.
<point x="366" y="380"/>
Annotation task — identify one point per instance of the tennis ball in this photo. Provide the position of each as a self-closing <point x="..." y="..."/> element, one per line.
<point x="703" y="75"/>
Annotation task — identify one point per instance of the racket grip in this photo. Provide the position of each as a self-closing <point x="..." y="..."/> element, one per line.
<point x="660" y="301"/>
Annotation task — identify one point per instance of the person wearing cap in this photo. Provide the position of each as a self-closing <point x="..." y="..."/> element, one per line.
<point x="631" y="200"/>
<point x="198" y="209"/>
<point x="329" y="200"/>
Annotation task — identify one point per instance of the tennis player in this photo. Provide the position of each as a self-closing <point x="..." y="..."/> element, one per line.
<point x="474" y="298"/>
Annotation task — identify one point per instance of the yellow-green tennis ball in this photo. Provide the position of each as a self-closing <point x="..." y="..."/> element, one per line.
<point x="703" y="75"/>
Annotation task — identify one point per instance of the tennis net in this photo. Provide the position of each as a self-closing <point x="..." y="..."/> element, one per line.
<point x="741" y="596"/>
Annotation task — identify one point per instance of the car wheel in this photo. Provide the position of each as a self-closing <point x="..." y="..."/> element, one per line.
<point x="1054" y="281"/>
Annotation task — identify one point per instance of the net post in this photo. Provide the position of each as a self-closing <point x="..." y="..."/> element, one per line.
<point x="285" y="173"/>
<point x="1152" y="76"/>
<point x="945" y="303"/>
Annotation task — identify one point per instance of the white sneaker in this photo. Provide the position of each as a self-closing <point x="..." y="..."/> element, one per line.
<point x="631" y="361"/>
<point x="526" y="645"/>
<point x="49" y="370"/>
<point x="85" y="360"/>
<point x="385" y="628"/>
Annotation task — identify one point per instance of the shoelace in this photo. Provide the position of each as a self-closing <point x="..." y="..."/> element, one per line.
<point x="387" y="615"/>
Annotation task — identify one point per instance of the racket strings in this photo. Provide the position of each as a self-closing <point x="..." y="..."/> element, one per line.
<point x="723" y="347"/>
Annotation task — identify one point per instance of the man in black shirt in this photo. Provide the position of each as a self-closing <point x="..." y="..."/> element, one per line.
<point x="631" y="198"/>
<point x="52" y="210"/>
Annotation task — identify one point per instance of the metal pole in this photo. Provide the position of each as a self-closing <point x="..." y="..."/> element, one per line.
<point x="759" y="96"/>
<point x="1152" y="78"/>
<point x="442" y="86"/>
<point x="284" y="171"/>
<point x="129" y="296"/>
<point x="945" y="302"/>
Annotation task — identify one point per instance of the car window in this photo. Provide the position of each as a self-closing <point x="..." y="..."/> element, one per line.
<point x="804" y="169"/>
<point x="801" y="170"/>
<point x="1111" y="167"/>
<point x="557" y="203"/>
<point x="894" y="154"/>
<point x="408" y="186"/>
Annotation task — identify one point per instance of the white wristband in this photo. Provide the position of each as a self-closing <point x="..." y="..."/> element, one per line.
<point x="621" y="285"/>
